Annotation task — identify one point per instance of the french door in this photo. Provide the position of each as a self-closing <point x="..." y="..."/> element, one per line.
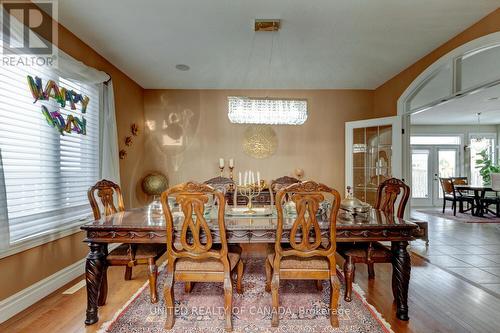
<point x="429" y="163"/>
<point x="373" y="154"/>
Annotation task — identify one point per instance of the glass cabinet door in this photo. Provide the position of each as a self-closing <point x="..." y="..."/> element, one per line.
<point x="373" y="152"/>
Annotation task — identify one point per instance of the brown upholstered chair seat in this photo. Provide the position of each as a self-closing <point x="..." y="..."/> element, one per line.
<point x="212" y="264"/>
<point x="296" y="262"/>
<point x="143" y="251"/>
<point x="360" y="250"/>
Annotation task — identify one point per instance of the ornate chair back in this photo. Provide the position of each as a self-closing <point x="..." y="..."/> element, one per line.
<point x="221" y="184"/>
<point x="106" y="190"/>
<point x="279" y="183"/>
<point x="305" y="234"/>
<point x="196" y="241"/>
<point x="388" y="194"/>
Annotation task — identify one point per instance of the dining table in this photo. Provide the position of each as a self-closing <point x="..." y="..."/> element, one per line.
<point x="479" y="194"/>
<point x="142" y="225"/>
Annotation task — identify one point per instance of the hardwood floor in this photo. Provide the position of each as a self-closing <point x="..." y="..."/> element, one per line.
<point x="439" y="300"/>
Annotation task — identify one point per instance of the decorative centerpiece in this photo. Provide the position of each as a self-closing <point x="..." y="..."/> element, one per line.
<point x="250" y="189"/>
<point x="154" y="184"/>
<point x="354" y="207"/>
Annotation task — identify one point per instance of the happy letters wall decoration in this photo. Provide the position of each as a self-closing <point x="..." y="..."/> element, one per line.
<point x="63" y="97"/>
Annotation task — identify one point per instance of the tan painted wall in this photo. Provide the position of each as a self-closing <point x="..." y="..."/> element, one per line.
<point x="317" y="146"/>
<point x="23" y="269"/>
<point x="386" y="96"/>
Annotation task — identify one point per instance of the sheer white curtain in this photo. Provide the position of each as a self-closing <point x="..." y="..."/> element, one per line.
<point x="4" y="218"/>
<point x="110" y="164"/>
<point x="75" y="70"/>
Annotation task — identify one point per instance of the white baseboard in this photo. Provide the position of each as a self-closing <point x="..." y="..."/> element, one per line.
<point x="23" y="299"/>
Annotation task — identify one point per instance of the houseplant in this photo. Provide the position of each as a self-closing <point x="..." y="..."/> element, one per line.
<point x="486" y="166"/>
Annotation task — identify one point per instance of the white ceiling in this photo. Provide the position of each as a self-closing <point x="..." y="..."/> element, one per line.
<point x="463" y="110"/>
<point x="323" y="44"/>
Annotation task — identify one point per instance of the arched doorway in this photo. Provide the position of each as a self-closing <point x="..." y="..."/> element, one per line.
<point x="468" y="69"/>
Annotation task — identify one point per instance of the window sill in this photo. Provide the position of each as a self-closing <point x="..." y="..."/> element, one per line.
<point x="36" y="241"/>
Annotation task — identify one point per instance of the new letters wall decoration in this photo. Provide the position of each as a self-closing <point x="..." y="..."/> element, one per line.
<point x="63" y="97"/>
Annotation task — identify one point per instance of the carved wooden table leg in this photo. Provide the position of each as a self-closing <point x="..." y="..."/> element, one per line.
<point x="103" y="292"/>
<point x="401" y="267"/>
<point x="96" y="263"/>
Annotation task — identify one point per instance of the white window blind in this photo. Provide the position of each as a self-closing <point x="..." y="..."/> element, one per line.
<point x="46" y="174"/>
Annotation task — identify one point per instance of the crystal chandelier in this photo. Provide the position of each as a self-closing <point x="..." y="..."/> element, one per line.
<point x="270" y="111"/>
<point x="479" y="139"/>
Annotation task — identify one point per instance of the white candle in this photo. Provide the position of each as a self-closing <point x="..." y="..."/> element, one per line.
<point x="246" y="178"/>
<point x="258" y="178"/>
<point x="253" y="177"/>
<point x="221" y="162"/>
<point x="239" y="178"/>
<point x="231" y="163"/>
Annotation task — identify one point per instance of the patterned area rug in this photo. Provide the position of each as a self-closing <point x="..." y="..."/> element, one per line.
<point x="304" y="309"/>
<point x="461" y="217"/>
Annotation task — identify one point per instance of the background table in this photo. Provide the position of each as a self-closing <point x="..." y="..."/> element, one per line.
<point x="142" y="226"/>
<point x="479" y="193"/>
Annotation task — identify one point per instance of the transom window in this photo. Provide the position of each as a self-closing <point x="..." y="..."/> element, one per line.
<point x="434" y="140"/>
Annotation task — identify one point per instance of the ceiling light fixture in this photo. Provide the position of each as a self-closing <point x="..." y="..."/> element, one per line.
<point x="271" y="111"/>
<point x="267" y="25"/>
<point x="267" y="110"/>
<point x="182" y="67"/>
<point x="479" y="139"/>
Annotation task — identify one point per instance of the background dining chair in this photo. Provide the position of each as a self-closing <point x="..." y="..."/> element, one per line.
<point x="389" y="193"/>
<point x="196" y="258"/>
<point x="450" y="193"/>
<point x="463" y="196"/>
<point x="222" y="184"/>
<point x="493" y="200"/>
<point x="128" y="255"/>
<point x="279" y="183"/>
<point x="304" y="258"/>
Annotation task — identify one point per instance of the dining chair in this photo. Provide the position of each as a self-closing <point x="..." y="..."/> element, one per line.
<point x="390" y="193"/>
<point x="279" y="183"/>
<point x="464" y="194"/>
<point x="222" y="184"/>
<point x="493" y="200"/>
<point x="128" y="255"/>
<point x="450" y="193"/>
<point x="304" y="258"/>
<point x="196" y="258"/>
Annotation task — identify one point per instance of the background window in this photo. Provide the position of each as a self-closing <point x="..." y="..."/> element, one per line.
<point x="477" y="144"/>
<point x="46" y="174"/>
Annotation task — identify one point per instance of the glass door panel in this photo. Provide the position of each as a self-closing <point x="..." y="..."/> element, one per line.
<point x="420" y="174"/>
<point x="429" y="163"/>
<point x="371" y="160"/>
<point x="447" y="166"/>
<point x="373" y="154"/>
